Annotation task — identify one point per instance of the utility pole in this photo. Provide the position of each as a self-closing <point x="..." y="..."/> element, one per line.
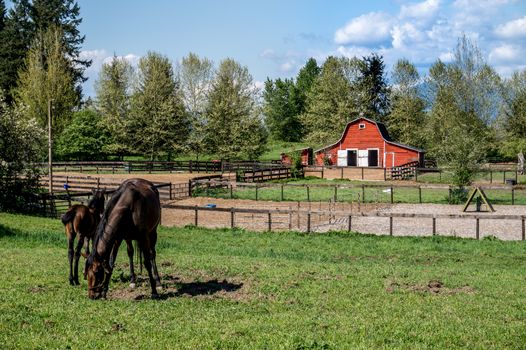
<point x="50" y="146"/>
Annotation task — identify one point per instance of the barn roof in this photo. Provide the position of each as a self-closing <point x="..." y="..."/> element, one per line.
<point x="381" y="128"/>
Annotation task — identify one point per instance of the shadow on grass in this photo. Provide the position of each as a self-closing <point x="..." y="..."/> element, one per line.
<point x="6" y="232"/>
<point x="194" y="289"/>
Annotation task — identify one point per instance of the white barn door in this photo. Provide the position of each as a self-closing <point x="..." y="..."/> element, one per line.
<point x="342" y="157"/>
<point x="363" y="157"/>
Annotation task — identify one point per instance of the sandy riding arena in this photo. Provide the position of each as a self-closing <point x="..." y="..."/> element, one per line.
<point x="338" y="220"/>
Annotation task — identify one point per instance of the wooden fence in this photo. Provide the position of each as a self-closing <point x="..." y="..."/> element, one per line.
<point x="276" y="173"/>
<point x="159" y="167"/>
<point x="389" y="191"/>
<point x="499" y="175"/>
<point x="267" y="217"/>
<point x="56" y="204"/>
<point x="64" y="185"/>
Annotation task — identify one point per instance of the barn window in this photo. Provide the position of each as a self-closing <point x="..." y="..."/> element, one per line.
<point x="361" y="126"/>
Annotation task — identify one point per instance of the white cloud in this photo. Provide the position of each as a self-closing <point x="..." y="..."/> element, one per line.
<point x="424" y="9"/>
<point x="446" y="56"/>
<point x="405" y="34"/>
<point x="288" y="66"/>
<point x="512" y="29"/>
<point x="506" y="53"/>
<point x="374" y="27"/>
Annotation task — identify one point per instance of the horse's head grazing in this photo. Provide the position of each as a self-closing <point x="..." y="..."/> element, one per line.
<point x="96" y="272"/>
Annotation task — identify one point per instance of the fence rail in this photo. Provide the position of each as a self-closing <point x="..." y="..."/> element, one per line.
<point x="385" y="193"/>
<point x="309" y="214"/>
<point x="149" y="167"/>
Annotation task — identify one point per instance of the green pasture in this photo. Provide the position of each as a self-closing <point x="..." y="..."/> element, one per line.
<point x="381" y="194"/>
<point x="230" y="289"/>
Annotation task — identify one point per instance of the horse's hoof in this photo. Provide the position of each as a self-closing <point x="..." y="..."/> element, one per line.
<point x="156" y="296"/>
<point x="71" y="282"/>
<point x="132" y="285"/>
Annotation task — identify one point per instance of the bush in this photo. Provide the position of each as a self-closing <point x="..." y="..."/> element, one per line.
<point x="20" y="145"/>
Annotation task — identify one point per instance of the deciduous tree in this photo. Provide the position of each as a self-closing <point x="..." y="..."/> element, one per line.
<point x="234" y="128"/>
<point x="407" y="118"/>
<point x="46" y="77"/>
<point x="159" y="123"/>
<point x="114" y="89"/>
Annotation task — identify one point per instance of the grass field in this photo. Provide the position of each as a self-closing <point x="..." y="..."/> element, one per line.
<point x="371" y="195"/>
<point x="228" y="289"/>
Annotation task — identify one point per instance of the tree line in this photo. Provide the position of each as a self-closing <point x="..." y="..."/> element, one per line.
<point x="462" y="112"/>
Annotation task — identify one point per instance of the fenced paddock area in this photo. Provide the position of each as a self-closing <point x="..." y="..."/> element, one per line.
<point x="352" y="192"/>
<point x="507" y="223"/>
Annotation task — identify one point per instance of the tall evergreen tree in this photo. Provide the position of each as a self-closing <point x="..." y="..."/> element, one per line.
<point x="374" y="90"/>
<point x="158" y="123"/>
<point x="15" y="40"/>
<point x="304" y="82"/>
<point x="234" y="128"/>
<point x="64" y="14"/>
<point x="407" y="118"/>
<point x="26" y="21"/>
<point x="331" y="102"/>
<point x="281" y="111"/>
<point x="114" y="89"/>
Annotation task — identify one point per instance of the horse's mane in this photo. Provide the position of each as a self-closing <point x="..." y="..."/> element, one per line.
<point x="107" y="211"/>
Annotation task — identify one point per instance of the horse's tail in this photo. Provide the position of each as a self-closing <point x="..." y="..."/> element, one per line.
<point x="68" y="216"/>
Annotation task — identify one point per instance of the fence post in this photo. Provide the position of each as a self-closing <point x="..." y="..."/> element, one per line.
<point x="504" y="177"/>
<point x="231" y="191"/>
<point x="232" y="211"/>
<point x="269" y="221"/>
<point x="490" y="176"/>
<point x="516" y="176"/>
<point x="434" y="226"/>
<point x="189" y="188"/>
<point x="449" y="193"/>
<point x="335" y="193"/>
<point x="420" y="194"/>
<point x="341" y="175"/>
<point x="282" y="193"/>
<point x="523" y="229"/>
<point x="98" y="182"/>
<point x="308" y="194"/>
<point x="362" y="173"/>
<point x="196" y="216"/>
<point x="256" y="191"/>
<point x="512" y="196"/>
<point x="171" y="193"/>
<point x="385" y="174"/>
<point x="390" y="226"/>
<point x="477" y="229"/>
<point x="350" y="223"/>
<point x="363" y="193"/>
<point x="392" y="195"/>
<point x="322" y="167"/>
<point x="308" y="222"/>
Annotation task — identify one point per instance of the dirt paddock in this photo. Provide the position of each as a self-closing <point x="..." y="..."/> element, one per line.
<point x="297" y="221"/>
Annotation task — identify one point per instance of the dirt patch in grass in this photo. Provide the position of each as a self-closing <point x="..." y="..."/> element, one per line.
<point x="434" y="287"/>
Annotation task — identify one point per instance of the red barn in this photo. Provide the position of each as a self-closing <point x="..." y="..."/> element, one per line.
<point x="366" y="143"/>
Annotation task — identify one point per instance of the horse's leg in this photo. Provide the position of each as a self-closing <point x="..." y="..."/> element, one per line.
<point x="78" y="249"/>
<point x="71" y="241"/>
<point x="133" y="281"/>
<point x="86" y="247"/>
<point x="113" y="257"/>
<point x="144" y="245"/>
<point x="153" y="241"/>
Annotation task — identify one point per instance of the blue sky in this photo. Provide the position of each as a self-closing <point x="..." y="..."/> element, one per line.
<point x="275" y="38"/>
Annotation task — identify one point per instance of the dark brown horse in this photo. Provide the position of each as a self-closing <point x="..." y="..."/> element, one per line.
<point x="133" y="213"/>
<point x="81" y="221"/>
